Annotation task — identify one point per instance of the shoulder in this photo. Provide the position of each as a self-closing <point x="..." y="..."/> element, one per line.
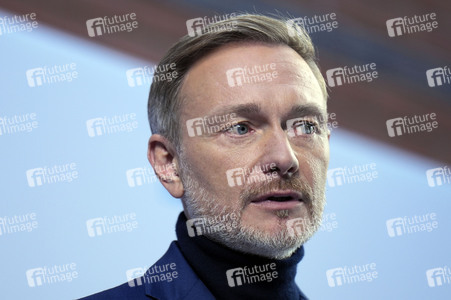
<point x="170" y="277"/>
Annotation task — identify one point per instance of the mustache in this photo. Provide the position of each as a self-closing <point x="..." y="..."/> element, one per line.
<point x="253" y="191"/>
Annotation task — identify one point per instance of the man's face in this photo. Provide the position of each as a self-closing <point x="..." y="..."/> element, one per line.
<point x="273" y="129"/>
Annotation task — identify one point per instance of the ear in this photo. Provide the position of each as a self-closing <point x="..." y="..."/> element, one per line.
<point x="162" y="156"/>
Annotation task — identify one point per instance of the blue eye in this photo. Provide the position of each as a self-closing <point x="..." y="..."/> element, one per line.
<point x="305" y="128"/>
<point x="239" y="129"/>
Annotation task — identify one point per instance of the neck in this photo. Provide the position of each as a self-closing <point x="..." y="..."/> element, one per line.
<point x="230" y="274"/>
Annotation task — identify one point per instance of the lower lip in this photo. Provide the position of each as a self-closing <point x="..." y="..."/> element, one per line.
<point x="276" y="205"/>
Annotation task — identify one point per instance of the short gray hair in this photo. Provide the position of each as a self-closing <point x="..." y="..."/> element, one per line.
<point x="164" y="99"/>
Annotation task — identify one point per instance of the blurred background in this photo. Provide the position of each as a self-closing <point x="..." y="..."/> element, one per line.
<point x="398" y="220"/>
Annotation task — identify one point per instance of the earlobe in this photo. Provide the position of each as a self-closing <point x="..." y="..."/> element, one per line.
<point x="163" y="158"/>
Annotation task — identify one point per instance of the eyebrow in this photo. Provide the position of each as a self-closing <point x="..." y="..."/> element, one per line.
<point x="255" y="108"/>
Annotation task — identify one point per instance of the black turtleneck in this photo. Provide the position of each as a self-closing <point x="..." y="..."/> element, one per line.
<point x="264" y="278"/>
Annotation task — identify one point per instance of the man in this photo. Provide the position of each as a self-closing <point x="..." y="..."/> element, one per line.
<point x="240" y="137"/>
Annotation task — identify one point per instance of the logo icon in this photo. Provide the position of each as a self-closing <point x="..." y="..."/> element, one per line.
<point x="95" y="126"/>
<point x="195" y="226"/>
<point x="395" y="127"/>
<point x="95" y="227"/>
<point x="435" y="277"/>
<point x="135" y="77"/>
<point x="35" y="77"/>
<point x="195" y="126"/>
<point x="335" y="177"/>
<point x="395" y="227"/>
<point x="94" y="26"/>
<point x="195" y="27"/>
<point x="35" y="177"/>
<point x="435" y="77"/>
<point x="335" y="277"/>
<point x="235" y="277"/>
<point x="395" y="27"/>
<point x="235" y="177"/>
<point x="335" y="77"/>
<point x="35" y="277"/>
<point x="235" y="77"/>
<point x="134" y="276"/>
<point x="435" y="177"/>
<point x="135" y="177"/>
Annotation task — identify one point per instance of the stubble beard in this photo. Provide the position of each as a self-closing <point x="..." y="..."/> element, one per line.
<point x="281" y="244"/>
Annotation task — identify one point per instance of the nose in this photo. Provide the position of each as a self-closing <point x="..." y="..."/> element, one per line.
<point x="278" y="153"/>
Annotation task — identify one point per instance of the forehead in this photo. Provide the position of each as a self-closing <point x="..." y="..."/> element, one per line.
<point x="274" y="76"/>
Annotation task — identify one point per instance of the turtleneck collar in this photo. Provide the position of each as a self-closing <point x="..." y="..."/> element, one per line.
<point x="230" y="274"/>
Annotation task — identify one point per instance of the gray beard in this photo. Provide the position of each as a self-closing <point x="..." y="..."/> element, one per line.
<point x="199" y="203"/>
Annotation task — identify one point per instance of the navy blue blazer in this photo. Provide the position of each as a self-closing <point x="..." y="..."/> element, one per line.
<point x="186" y="286"/>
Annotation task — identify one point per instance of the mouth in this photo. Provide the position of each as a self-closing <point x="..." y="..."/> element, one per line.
<point x="279" y="200"/>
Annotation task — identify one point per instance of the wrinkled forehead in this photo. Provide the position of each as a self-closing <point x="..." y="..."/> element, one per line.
<point x="272" y="76"/>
